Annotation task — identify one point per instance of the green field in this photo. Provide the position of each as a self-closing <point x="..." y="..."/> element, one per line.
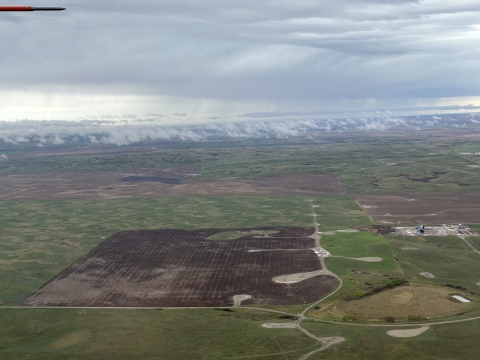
<point x="361" y="244"/>
<point x="454" y="264"/>
<point x="358" y="244"/>
<point x="442" y="342"/>
<point x="355" y="274"/>
<point x="210" y="334"/>
<point x="145" y="334"/>
<point x="448" y="258"/>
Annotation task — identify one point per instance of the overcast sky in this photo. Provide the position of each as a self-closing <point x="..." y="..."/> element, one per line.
<point x="223" y="57"/>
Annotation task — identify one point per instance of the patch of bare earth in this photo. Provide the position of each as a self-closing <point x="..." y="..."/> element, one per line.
<point x="366" y="259"/>
<point x="156" y="183"/>
<point x="169" y="268"/>
<point x="427" y="275"/>
<point x="421" y="208"/>
<point x="422" y="301"/>
<point x="378" y="229"/>
<point x="294" y="278"/>
<point x="405" y="333"/>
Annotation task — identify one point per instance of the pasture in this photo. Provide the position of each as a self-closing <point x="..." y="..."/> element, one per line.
<point x="450" y="341"/>
<point x="453" y="263"/>
<point x="146" y="334"/>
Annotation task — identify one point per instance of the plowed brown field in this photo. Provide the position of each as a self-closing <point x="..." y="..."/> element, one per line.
<point x="422" y="208"/>
<point x="158" y="183"/>
<point x="168" y="268"/>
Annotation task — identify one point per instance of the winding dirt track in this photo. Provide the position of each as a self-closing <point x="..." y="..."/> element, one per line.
<point x="327" y="341"/>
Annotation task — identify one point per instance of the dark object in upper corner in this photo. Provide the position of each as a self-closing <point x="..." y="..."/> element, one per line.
<point x="30" y="8"/>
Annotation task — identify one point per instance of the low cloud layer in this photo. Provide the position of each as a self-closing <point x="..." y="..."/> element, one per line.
<point x="41" y="133"/>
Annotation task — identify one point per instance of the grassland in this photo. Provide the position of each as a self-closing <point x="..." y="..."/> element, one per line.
<point x="453" y="341"/>
<point x="448" y="258"/>
<point x="368" y="166"/>
<point x="357" y="274"/>
<point x="210" y="334"/>
<point x="359" y="244"/>
<point x="145" y="334"/>
<point x="454" y="264"/>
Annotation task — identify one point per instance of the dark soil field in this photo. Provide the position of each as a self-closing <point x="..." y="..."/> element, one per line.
<point x="178" y="181"/>
<point x="169" y="268"/>
<point x="422" y="208"/>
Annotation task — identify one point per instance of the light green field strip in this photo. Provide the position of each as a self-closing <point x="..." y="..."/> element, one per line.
<point x="144" y="334"/>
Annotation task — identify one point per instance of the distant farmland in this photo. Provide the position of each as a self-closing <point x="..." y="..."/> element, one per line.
<point x="180" y="181"/>
<point x="419" y="208"/>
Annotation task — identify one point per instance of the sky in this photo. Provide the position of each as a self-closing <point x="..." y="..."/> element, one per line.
<point x="190" y="61"/>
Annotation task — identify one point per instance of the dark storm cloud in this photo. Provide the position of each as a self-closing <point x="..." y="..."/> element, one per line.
<point x="247" y="50"/>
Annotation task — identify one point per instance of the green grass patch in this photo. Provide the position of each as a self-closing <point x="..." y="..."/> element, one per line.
<point x="359" y="277"/>
<point x="336" y="212"/>
<point x="358" y="244"/>
<point x="145" y="334"/>
<point x="449" y="341"/>
<point x="471" y="147"/>
<point x="389" y="284"/>
<point x="448" y="258"/>
<point x="349" y="317"/>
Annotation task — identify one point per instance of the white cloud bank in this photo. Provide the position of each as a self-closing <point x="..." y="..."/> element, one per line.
<point x="111" y="132"/>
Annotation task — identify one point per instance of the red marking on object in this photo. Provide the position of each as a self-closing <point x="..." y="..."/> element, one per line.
<point x="15" y="8"/>
<point x="30" y="8"/>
